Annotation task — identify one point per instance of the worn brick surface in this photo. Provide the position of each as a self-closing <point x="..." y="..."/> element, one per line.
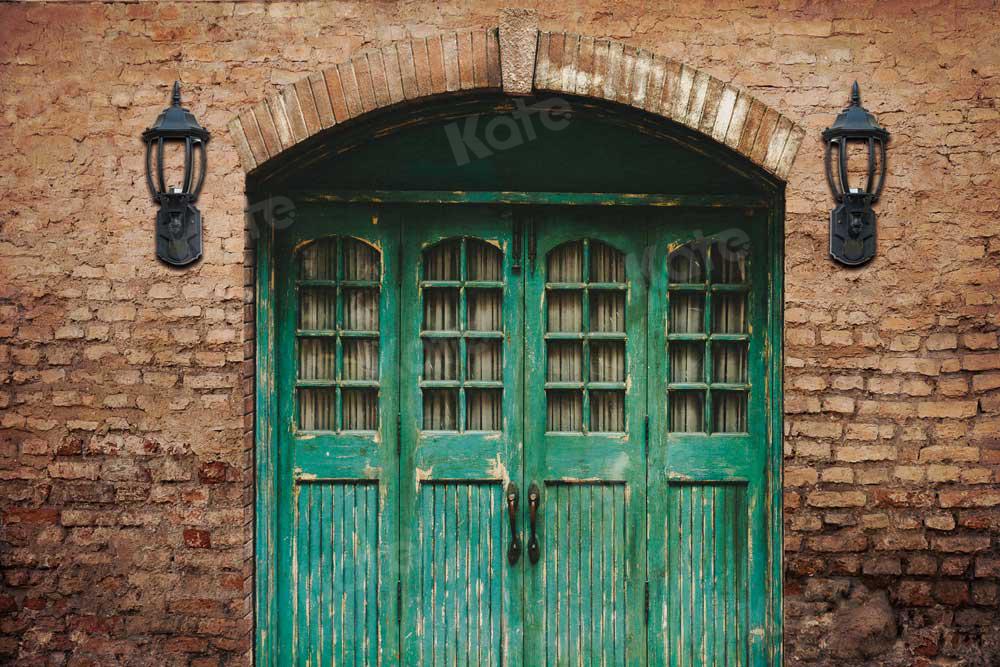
<point x="125" y="387"/>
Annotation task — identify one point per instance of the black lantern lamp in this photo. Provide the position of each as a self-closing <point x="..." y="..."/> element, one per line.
<point x="178" y="222"/>
<point x="852" y="223"/>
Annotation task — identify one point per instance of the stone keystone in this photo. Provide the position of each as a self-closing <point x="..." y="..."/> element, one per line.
<point x="518" y="44"/>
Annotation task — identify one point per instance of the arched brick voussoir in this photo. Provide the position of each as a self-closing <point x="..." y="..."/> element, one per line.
<point x="615" y="71"/>
<point x="373" y="79"/>
<point x="562" y="62"/>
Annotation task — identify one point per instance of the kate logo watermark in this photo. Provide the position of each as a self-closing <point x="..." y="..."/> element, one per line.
<point x="506" y="131"/>
<point x="275" y="211"/>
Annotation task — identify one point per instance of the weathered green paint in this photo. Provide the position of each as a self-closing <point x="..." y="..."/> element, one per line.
<point x="433" y="516"/>
<point x="266" y="516"/>
<point x="461" y="597"/>
<point x="713" y="520"/>
<point x="774" y="343"/>
<point x="337" y="491"/>
<point x="586" y="474"/>
<point x="441" y="528"/>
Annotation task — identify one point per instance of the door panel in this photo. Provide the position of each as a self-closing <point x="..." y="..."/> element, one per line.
<point x="336" y="560"/>
<point x="706" y="573"/>
<point x="336" y="364"/>
<point x="461" y="418"/>
<point x="585" y="401"/>
<point x="585" y="574"/>
<point x="708" y="440"/>
<point x="461" y="559"/>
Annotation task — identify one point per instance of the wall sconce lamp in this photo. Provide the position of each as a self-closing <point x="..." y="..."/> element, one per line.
<point x="852" y="222"/>
<point x="178" y="222"/>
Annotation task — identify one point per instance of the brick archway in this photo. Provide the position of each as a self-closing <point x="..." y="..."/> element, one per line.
<point x="518" y="59"/>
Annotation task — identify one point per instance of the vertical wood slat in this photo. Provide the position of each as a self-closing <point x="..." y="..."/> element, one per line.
<point x="706" y="575"/>
<point x="584" y="574"/>
<point x="336" y="559"/>
<point x="461" y="566"/>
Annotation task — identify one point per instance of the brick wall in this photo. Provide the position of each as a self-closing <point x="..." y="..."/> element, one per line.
<point x="126" y="387"/>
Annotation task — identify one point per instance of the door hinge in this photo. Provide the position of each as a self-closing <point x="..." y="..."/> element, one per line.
<point x="645" y="433"/>
<point x="399" y="434"/>
<point x="399" y="600"/>
<point x="647" y="603"/>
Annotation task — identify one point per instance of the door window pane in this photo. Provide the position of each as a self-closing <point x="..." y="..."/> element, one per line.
<point x="440" y="409"/>
<point x="565" y="361"/>
<point x="317" y="308"/>
<point x="483" y="409"/>
<point x="565" y="410"/>
<point x="607" y="311"/>
<point x="607" y="264"/>
<point x="714" y="360"/>
<point x="729" y="313"/>
<point x="585" y="294"/>
<point x="318" y="359"/>
<point x="607" y="411"/>
<point x="484" y="261"/>
<point x="687" y="362"/>
<point x="729" y="362"/>
<point x="360" y="309"/>
<point x="360" y="409"/>
<point x="687" y="411"/>
<point x="607" y="361"/>
<point x="361" y="359"/>
<point x="441" y="308"/>
<point x="485" y="310"/>
<point x="729" y="412"/>
<point x="687" y="312"/>
<point x="729" y="262"/>
<point x="565" y="310"/>
<point x="485" y="360"/>
<point x="687" y="264"/>
<point x="317" y="409"/>
<point x="338" y="320"/>
<point x="565" y="263"/>
<point x="441" y="359"/>
<point x="462" y="288"/>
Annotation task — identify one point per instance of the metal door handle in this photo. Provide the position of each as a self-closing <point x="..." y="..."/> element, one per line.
<point x="534" y="496"/>
<point x="514" y="550"/>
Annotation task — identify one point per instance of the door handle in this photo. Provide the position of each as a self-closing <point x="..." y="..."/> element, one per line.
<point x="514" y="550"/>
<point x="534" y="496"/>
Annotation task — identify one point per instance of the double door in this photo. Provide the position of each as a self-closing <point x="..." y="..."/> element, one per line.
<point x="520" y="437"/>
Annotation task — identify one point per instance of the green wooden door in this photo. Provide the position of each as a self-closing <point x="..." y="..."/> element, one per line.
<point x="461" y="427"/>
<point x="442" y="369"/>
<point x="584" y="438"/>
<point x="708" y="461"/>
<point x="337" y="368"/>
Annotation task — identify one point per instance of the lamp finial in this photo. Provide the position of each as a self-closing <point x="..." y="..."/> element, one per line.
<point x="177" y="93"/>
<point x="855" y="95"/>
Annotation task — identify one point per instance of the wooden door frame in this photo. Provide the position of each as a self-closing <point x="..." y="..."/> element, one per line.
<point x="266" y="604"/>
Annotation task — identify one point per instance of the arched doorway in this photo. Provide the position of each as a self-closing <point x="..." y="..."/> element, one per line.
<point x="439" y="344"/>
<point x="519" y="388"/>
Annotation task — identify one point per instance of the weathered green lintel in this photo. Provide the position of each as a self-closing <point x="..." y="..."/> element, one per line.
<point x="528" y="198"/>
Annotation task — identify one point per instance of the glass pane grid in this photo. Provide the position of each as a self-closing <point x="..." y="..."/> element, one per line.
<point x="337" y="379"/>
<point x="462" y="383"/>
<point x="707" y="339"/>
<point x="585" y="338"/>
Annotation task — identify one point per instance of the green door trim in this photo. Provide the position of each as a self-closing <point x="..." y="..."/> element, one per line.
<point x="529" y="198"/>
<point x="265" y="431"/>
